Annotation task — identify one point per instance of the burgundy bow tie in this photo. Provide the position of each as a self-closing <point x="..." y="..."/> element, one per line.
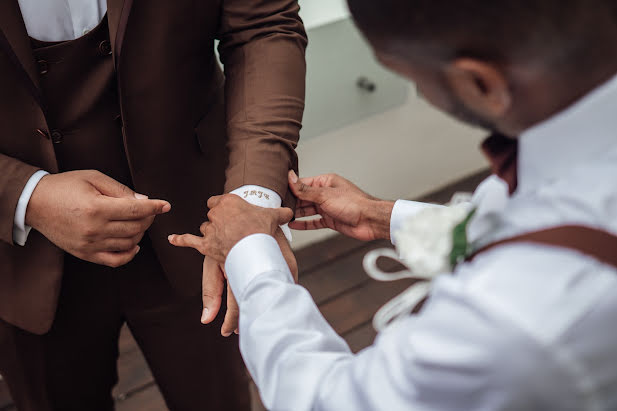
<point x="502" y="153"/>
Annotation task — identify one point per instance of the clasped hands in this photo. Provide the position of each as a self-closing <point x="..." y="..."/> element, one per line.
<point x="340" y="205"/>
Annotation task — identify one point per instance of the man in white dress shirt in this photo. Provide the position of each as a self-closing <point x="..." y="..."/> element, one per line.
<point x="526" y="325"/>
<point x="104" y="99"/>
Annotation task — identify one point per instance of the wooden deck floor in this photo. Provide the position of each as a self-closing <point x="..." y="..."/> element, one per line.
<point x="331" y="271"/>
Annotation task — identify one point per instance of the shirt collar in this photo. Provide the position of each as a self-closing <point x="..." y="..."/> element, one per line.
<point x="573" y="137"/>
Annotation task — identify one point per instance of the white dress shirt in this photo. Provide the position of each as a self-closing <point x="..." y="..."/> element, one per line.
<point x="63" y="20"/>
<point x="522" y="327"/>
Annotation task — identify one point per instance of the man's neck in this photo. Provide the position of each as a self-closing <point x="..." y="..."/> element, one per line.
<point x="549" y="95"/>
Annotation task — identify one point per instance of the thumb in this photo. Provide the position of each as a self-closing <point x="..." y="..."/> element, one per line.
<point x="305" y="191"/>
<point x="283" y="215"/>
<point x="112" y="188"/>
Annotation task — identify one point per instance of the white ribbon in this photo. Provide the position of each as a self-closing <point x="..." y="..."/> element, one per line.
<point x="402" y="305"/>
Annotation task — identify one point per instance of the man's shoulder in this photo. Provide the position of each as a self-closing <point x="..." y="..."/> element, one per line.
<point x="541" y="289"/>
<point x="545" y="289"/>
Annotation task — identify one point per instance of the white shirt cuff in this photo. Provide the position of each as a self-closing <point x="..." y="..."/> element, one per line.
<point x="259" y="196"/>
<point x="402" y="211"/>
<point x="252" y="256"/>
<point x="262" y="197"/>
<point x="20" y="229"/>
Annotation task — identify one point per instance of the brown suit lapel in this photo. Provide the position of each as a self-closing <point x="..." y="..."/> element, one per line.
<point x="118" y="12"/>
<point x="15" y="45"/>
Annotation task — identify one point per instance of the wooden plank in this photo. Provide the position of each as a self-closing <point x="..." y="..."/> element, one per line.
<point x="133" y="371"/>
<point x="149" y="399"/>
<point x="361" y="337"/>
<point x="134" y="374"/>
<point x="314" y="256"/>
<point x="358" y="306"/>
<point x="341" y="274"/>
<point x="126" y="343"/>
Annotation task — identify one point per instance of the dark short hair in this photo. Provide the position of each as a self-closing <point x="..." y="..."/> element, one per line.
<point x="498" y="30"/>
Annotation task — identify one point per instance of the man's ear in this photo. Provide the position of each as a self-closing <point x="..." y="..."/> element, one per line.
<point x="480" y="86"/>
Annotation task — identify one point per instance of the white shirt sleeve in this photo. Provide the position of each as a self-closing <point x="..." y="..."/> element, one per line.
<point x="20" y="229"/>
<point x="457" y="355"/>
<point x="262" y="197"/>
<point x="402" y="211"/>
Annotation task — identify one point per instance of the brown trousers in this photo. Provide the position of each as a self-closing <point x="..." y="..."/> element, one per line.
<point x="73" y="367"/>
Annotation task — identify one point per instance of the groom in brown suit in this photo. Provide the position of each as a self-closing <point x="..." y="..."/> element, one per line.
<point x="136" y="107"/>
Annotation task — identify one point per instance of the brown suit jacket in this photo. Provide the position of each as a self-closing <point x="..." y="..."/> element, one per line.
<point x="189" y="131"/>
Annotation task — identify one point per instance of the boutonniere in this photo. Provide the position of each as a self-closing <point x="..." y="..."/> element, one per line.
<point x="434" y="241"/>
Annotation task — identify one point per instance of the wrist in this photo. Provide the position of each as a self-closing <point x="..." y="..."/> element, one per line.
<point x="378" y="215"/>
<point x="36" y="203"/>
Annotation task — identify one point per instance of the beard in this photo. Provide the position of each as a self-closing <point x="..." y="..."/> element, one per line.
<point x="462" y="113"/>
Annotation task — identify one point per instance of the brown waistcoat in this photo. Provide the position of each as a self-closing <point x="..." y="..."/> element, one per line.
<point x="186" y="134"/>
<point x="78" y="82"/>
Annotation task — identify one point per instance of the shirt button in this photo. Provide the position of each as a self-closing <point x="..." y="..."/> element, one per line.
<point x="43" y="66"/>
<point x="56" y="137"/>
<point x="43" y="133"/>
<point x="105" y="48"/>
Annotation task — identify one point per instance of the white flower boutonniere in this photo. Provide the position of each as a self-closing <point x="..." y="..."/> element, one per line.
<point x="430" y="243"/>
<point x="434" y="241"/>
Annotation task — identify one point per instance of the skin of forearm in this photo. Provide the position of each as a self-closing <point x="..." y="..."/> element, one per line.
<point x="378" y="214"/>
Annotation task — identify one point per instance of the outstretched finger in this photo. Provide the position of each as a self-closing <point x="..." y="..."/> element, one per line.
<point x="230" y="324"/>
<point x="188" y="241"/>
<point x="307" y="225"/>
<point x="212" y="286"/>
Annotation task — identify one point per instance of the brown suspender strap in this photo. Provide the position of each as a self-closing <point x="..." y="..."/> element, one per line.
<point x="593" y="242"/>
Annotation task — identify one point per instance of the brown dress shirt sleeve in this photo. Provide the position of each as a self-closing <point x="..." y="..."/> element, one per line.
<point x="262" y="48"/>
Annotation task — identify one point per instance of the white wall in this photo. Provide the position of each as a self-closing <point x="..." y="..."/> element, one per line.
<point x="319" y="12"/>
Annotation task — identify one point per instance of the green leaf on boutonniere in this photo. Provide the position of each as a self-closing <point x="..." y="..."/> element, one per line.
<point x="461" y="248"/>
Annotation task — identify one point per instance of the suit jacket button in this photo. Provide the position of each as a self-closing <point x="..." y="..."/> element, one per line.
<point x="105" y="48"/>
<point x="56" y="137"/>
<point x="43" y="133"/>
<point x="43" y="66"/>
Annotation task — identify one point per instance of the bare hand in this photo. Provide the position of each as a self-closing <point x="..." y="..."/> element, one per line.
<point x="92" y="216"/>
<point x="341" y="206"/>
<point x="213" y="284"/>
<point x="230" y="220"/>
<point x="213" y="280"/>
